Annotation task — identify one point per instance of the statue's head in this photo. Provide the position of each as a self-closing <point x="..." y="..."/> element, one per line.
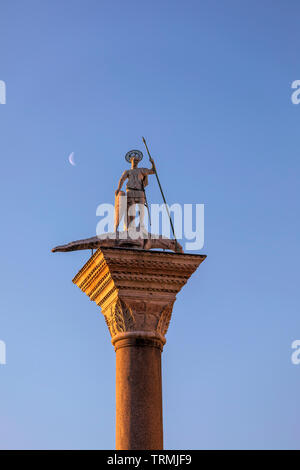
<point x="134" y="157"/>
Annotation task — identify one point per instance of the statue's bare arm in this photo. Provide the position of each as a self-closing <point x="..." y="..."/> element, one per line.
<point x="122" y="179"/>
<point x="150" y="171"/>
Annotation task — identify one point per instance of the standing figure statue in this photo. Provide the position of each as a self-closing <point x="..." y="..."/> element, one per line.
<point x="125" y="205"/>
<point x="137" y="180"/>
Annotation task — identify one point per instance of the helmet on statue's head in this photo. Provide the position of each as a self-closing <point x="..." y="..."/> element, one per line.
<point x="137" y="154"/>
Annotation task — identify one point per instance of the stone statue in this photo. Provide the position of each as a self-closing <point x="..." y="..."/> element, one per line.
<point x="132" y="236"/>
<point x="137" y="180"/>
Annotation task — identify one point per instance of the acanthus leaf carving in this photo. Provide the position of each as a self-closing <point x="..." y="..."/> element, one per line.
<point x="119" y="318"/>
<point x="164" y="320"/>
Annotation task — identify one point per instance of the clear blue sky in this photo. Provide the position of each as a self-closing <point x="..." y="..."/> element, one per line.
<point x="208" y="82"/>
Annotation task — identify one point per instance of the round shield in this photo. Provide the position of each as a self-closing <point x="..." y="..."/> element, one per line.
<point x="133" y="153"/>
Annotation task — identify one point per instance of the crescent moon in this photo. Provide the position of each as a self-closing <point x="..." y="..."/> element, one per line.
<point x="71" y="159"/>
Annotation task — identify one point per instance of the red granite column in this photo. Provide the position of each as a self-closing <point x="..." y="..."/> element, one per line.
<point x="139" y="422"/>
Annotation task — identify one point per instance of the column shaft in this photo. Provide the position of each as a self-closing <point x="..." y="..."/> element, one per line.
<point x="139" y="423"/>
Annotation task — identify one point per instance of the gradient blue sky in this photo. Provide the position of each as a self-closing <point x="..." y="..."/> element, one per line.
<point x="209" y="84"/>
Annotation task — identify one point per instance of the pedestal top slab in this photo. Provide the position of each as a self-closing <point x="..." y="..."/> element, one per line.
<point x="129" y="269"/>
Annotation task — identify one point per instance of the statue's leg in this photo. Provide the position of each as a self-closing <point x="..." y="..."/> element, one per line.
<point x="130" y="215"/>
<point x="141" y="209"/>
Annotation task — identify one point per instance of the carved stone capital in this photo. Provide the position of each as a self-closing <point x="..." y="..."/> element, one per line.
<point x="138" y="319"/>
<point x="136" y="290"/>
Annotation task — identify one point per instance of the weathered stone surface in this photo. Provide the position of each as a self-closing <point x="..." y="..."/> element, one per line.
<point x="137" y="180"/>
<point x="139" y="417"/>
<point x="122" y="239"/>
<point x="136" y="291"/>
